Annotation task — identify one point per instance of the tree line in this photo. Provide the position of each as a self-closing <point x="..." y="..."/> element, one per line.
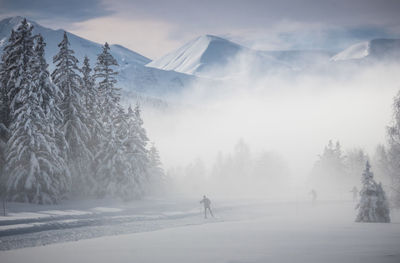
<point x="336" y="171"/>
<point x="66" y="133"/>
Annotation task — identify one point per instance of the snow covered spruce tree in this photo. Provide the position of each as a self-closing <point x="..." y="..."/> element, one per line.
<point x="34" y="170"/>
<point x="110" y="157"/>
<point x="373" y="205"/>
<point x="66" y="77"/>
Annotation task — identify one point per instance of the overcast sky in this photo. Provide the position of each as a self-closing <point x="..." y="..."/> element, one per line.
<point x="154" y="27"/>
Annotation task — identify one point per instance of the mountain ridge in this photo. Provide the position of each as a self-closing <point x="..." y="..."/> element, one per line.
<point x="133" y="76"/>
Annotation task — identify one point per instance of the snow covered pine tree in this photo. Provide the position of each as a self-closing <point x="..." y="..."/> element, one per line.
<point x="35" y="172"/>
<point x="373" y="205"/>
<point x="111" y="171"/>
<point x="92" y="98"/>
<point x="76" y="133"/>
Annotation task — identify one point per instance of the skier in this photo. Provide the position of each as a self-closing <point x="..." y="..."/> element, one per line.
<point x="206" y="202"/>
<point x="355" y="193"/>
<point x="313" y="194"/>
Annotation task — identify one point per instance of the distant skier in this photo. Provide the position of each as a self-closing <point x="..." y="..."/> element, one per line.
<point x="313" y="194"/>
<point x="355" y="193"/>
<point x="206" y="202"/>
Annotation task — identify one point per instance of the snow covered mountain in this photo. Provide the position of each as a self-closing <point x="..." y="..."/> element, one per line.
<point x="199" y="55"/>
<point x="213" y="56"/>
<point x="133" y="76"/>
<point x="377" y="49"/>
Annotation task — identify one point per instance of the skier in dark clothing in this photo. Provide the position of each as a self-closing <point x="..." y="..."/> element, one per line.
<point x="206" y="202"/>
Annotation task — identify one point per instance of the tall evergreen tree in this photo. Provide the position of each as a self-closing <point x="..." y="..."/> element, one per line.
<point x="92" y="101"/>
<point x="35" y="171"/>
<point x="110" y="119"/>
<point x="13" y="65"/>
<point x="66" y="77"/>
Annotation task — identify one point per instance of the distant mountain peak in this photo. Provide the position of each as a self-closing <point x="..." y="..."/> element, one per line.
<point x="196" y="55"/>
<point x="356" y="51"/>
<point x="373" y="49"/>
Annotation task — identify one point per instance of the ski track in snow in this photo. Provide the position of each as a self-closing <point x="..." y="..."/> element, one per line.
<point x="19" y="230"/>
<point x="279" y="220"/>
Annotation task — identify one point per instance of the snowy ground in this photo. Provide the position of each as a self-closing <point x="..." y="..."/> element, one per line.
<point x="246" y="231"/>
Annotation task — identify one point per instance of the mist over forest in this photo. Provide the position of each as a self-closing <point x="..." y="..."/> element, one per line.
<point x="282" y="120"/>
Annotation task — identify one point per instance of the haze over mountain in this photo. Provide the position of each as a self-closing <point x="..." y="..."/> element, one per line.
<point x="213" y="56"/>
<point x="216" y="57"/>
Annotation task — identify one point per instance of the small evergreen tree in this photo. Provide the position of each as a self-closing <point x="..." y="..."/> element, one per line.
<point x="373" y="205"/>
